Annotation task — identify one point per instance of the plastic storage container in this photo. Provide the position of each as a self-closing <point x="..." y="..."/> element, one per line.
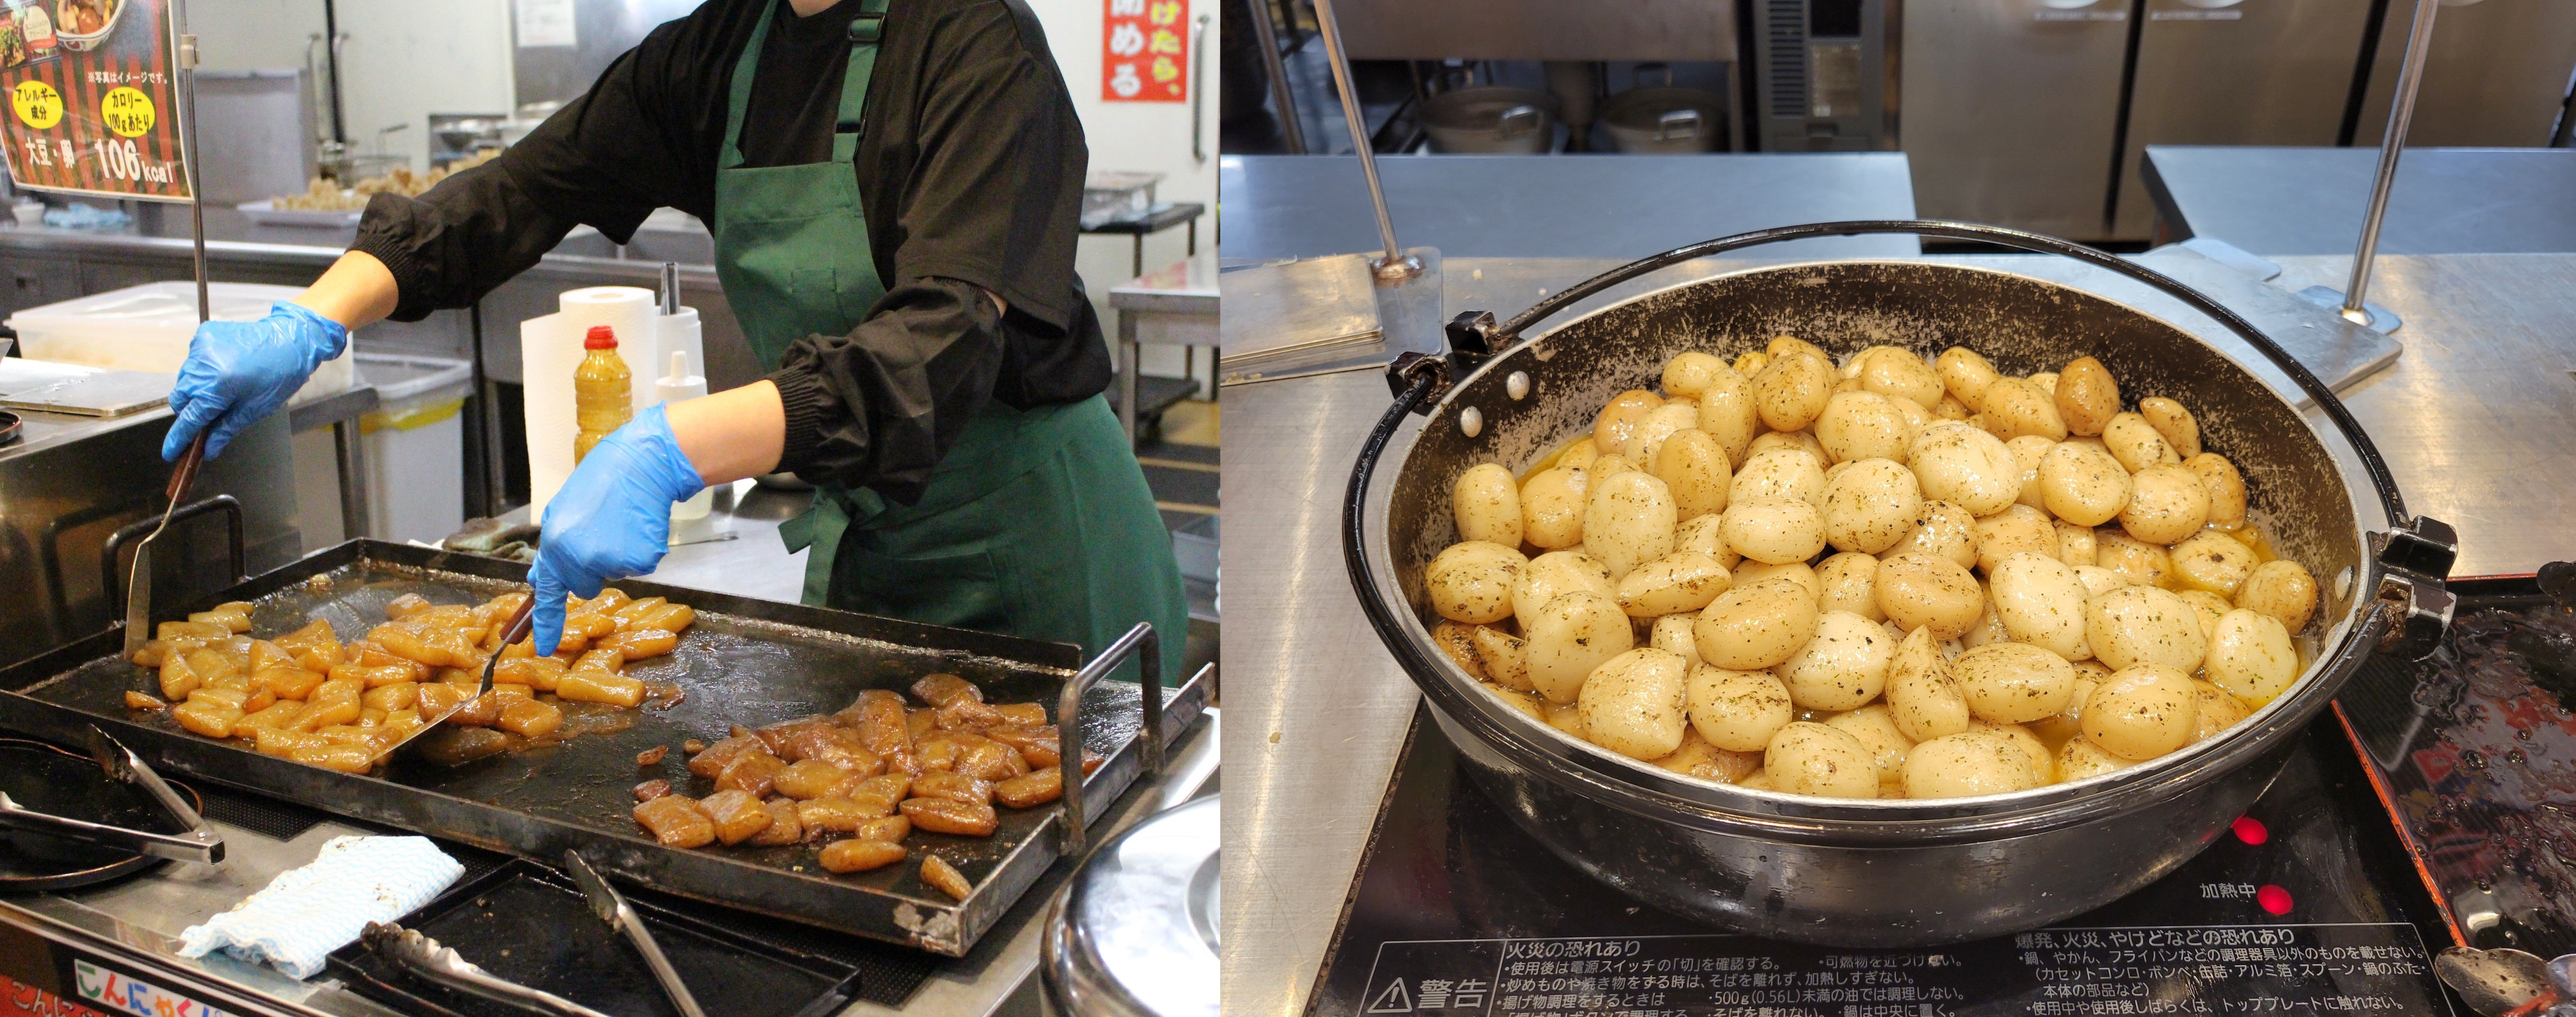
<point x="147" y="328"/>
<point x="415" y="445"/>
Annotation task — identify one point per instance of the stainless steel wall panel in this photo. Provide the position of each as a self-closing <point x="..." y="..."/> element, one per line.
<point x="2495" y="78"/>
<point x="2008" y="110"/>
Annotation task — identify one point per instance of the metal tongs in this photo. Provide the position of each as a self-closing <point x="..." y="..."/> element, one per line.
<point x="511" y="631"/>
<point x="613" y="909"/>
<point x="138" y="585"/>
<point x="424" y="957"/>
<point x="200" y="844"/>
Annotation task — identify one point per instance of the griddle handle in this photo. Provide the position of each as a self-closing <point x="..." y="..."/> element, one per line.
<point x="1141" y="643"/>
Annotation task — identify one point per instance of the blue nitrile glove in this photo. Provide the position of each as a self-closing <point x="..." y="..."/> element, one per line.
<point x="239" y="372"/>
<point x="611" y="520"/>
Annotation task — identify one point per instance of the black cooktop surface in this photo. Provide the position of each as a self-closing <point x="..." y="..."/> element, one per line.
<point x="2310" y="906"/>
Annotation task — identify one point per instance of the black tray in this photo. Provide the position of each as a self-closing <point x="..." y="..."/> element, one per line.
<point x="528" y="924"/>
<point x="746" y="661"/>
<point x="2474" y="751"/>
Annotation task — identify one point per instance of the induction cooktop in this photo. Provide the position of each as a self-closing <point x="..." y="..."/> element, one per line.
<point x="2310" y="904"/>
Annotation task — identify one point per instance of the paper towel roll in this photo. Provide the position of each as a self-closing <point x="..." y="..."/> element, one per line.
<point x="550" y="350"/>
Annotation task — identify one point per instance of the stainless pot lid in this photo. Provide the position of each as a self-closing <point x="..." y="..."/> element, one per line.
<point x="1483" y="107"/>
<point x="1134" y="932"/>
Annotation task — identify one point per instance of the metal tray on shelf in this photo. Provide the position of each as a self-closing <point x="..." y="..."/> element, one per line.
<point x="746" y="661"/>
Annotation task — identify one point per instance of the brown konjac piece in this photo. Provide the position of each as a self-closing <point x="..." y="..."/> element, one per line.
<point x="953" y="786"/>
<point x="881" y="792"/>
<point x="946" y="877"/>
<point x="847" y="856"/>
<point x="141" y="701"/>
<point x="712" y="760"/>
<point x="1037" y="787"/>
<point x="753" y="772"/>
<point x="652" y="789"/>
<point x="811" y="779"/>
<point x="886" y="828"/>
<point x="832" y="815"/>
<point x="738" y="815"/>
<point x="676" y="821"/>
<point x="693" y="746"/>
<point x="878" y="717"/>
<point x="948" y="815"/>
<point x="783" y="828"/>
<point x="652" y="756"/>
<point x="946" y="689"/>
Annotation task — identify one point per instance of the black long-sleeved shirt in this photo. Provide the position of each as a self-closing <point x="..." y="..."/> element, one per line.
<point x="970" y="172"/>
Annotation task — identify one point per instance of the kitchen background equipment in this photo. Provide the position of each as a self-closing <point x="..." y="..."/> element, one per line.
<point x="1665" y="119"/>
<point x="746" y="661"/>
<point x="1972" y="869"/>
<point x="1819" y="75"/>
<point x="1491" y="119"/>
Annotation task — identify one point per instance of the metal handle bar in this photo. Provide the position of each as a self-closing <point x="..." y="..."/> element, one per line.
<point x="1139" y="642"/>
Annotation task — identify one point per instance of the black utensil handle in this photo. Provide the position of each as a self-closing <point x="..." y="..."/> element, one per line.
<point x="2316" y="390"/>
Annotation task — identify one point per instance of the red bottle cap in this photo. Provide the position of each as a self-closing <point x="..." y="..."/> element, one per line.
<point x="601" y="337"/>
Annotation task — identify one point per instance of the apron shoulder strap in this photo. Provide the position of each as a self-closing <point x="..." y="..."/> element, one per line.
<point x="865" y="30"/>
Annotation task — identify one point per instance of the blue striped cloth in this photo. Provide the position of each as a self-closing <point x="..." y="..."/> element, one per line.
<point x="304" y="914"/>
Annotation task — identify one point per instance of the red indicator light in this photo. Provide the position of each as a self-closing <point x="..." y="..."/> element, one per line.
<point x="2250" y="830"/>
<point x="2274" y="899"/>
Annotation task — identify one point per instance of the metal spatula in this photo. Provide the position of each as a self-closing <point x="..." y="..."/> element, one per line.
<point x="138" y="584"/>
<point x="511" y="631"/>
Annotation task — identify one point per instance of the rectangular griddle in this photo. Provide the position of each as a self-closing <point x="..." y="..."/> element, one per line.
<point x="746" y="661"/>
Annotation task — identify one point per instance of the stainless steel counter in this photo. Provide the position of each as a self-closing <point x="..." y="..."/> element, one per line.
<point x="2288" y="201"/>
<point x="140" y="919"/>
<point x="2475" y="418"/>
<point x="1558" y="206"/>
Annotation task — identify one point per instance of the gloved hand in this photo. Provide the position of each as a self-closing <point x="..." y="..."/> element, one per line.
<point x="239" y="372"/>
<point x="611" y="520"/>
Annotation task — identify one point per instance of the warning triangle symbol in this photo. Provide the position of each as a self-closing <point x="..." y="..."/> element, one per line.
<point x="1393" y="1000"/>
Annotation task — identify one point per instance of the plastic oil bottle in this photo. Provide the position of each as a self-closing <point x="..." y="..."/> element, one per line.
<point x="603" y="393"/>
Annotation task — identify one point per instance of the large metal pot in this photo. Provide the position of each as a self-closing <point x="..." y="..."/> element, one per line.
<point x="1491" y="119"/>
<point x="1665" y="119"/>
<point x="1880" y="873"/>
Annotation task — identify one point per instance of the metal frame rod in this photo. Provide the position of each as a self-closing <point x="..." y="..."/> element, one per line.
<point x="2401" y="113"/>
<point x="1393" y="265"/>
<point x="188" y="154"/>
<point x="1292" y="131"/>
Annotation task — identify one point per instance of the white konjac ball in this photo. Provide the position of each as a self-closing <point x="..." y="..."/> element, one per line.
<point x="1487" y="503"/>
<point x="2018" y="529"/>
<point x="1774" y="531"/>
<point x="2251" y="655"/>
<point x="1778" y="473"/>
<point x="1921" y="697"/>
<point x="2079" y="759"/>
<point x="1553" y="573"/>
<point x="2212" y="562"/>
<point x="1809" y="758"/>
<point x="1863" y="425"/>
<point x="1876" y="730"/>
<point x="1966" y="764"/>
<point x="1756" y="625"/>
<point x="1738" y="711"/>
<point x="1849" y="582"/>
<point x="1843" y="667"/>
<point x="1660" y="423"/>
<point x="2141" y="712"/>
<point x="1681" y="581"/>
<point x="2136" y="625"/>
<point x="1928" y="591"/>
<point x="1966" y="467"/>
<point x="1552" y="507"/>
<point x="2081" y="483"/>
<point x="1941" y="529"/>
<point x="1575" y="633"/>
<point x="2013" y="683"/>
<point x="2040" y="601"/>
<point x="2166" y="504"/>
<point x="1632" y="703"/>
<point x="1629" y="521"/>
<point x="1871" y="505"/>
<point x="1472" y="581"/>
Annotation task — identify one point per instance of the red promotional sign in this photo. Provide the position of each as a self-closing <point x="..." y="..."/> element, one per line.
<point x="93" y="97"/>
<point x="1144" y="51"/>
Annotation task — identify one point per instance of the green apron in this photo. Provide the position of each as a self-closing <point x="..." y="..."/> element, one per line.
<point x="1037" y="523"/>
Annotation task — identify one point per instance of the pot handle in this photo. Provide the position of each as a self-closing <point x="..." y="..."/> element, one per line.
<point x="1686" y="121"/>
<point x="1516" y="121"/>
<point x="2415" y="555"/>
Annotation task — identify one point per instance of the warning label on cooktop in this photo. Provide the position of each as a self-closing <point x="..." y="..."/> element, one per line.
<point x="2220" y="969"/>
